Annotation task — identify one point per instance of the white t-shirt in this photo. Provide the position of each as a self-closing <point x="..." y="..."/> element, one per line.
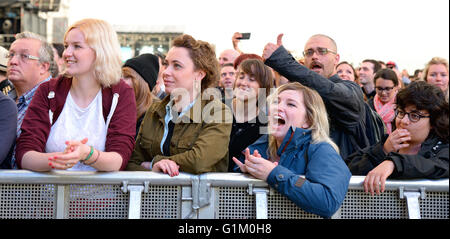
<point x="76" y="123"/>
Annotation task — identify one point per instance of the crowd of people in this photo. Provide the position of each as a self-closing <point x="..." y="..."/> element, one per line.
<point x="303" y="125"/>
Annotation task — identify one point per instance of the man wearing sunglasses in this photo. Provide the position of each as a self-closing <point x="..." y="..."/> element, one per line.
<point x="343" y="99"/>
<point x="30" y="60"/>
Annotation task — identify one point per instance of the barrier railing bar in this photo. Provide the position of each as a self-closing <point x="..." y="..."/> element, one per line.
<point x="71" y="177"/>
<point x="198" y="195"/>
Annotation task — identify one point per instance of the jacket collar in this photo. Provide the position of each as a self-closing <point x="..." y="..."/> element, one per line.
<point x="194" y="114"/>
<point x="299" y="137"/>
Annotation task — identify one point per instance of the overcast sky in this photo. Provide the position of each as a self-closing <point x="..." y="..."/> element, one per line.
<point x="409" y="32"/>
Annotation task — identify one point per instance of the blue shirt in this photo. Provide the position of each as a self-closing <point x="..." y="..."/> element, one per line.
<point x="22" y="105"/>
<point x="169" y="117"/>
<point x="23" y="102"/>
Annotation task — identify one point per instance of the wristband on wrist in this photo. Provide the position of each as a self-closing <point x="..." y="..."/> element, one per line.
<point x="95" y="160"/>
<point x="90" y="154"/>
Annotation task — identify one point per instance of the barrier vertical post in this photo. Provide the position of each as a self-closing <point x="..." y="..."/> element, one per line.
<point x="134" y="211"/>
<point x="261" y="202"/>
<point x="62" y="201"/>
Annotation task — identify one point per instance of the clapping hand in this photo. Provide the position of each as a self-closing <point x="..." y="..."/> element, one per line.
<point x="255" y="165"/>
<point x="74" y="152"/>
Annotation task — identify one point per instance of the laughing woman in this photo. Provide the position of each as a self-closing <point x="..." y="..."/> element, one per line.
<point x="253" y="83"/>
<point x="298" y="144"/>
<point x="78" y="121"/>
<point x="184" y="132"/>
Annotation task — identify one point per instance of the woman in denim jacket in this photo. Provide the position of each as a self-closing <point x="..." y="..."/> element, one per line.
<point x="298" y="158"/>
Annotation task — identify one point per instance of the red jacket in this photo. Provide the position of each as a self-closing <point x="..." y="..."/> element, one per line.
<point x="36" y="124"/>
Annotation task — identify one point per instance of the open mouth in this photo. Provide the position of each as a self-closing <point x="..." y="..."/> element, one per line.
<point x="279" y="120"/>
<point x="316" y="66"/>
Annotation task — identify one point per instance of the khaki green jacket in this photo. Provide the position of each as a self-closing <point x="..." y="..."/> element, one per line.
<point x="200" y="138"/>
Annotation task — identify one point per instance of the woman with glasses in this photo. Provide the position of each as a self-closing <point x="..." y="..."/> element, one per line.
<point x="418" y="148"/>
<point x="386" y="88"/>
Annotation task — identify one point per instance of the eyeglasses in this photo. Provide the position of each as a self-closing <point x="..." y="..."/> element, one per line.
<point x="23" y="57"/>
<point x="413" y="116"/>
<point x="320" y="50"/>
<point x="381" y="89"/>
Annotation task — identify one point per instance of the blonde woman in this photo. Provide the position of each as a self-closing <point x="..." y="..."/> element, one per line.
<point x="436" y="73"/>
<point x="298" y="144"/>
<point x="86" y="119"/>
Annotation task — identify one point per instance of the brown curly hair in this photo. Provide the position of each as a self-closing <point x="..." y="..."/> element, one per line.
<point x="204" y="57"/>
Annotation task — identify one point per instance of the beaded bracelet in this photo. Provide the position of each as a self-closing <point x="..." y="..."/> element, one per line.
<point x="90" y="154"/>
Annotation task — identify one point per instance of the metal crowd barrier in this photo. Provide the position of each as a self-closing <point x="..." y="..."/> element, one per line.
<point x="148" y="195"/>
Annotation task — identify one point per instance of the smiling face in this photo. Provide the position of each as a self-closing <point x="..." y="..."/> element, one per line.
<point x="246" y="86"/>
<point x="286" y="110"/>
<point x="366" y="73"/>
<point x="78" y="56"/>
<point x="345" y="72"/>
<point x="385" y="89"/>
<point x="438" y="76"/>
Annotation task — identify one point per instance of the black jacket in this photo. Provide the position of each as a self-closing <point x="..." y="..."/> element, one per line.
<point x="243" y="135"/>
<point x="431" y="161"/>
<point x="343" y="100"/>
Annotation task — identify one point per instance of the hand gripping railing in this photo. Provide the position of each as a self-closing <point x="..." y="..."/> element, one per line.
<point x="63" y="194"/>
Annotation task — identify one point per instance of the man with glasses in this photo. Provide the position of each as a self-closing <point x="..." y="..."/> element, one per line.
<point x="367" y="71"/>
<point x="30" y="59"/>
<point x="343" y="99"/>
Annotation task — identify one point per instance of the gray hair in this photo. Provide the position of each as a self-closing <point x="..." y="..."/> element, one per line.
<point x="45" y="52"/>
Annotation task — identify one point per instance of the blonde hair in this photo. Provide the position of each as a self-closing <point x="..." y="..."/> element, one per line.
<point x="141" y="90"/>
<point x="434" y="61"/>
<point x="316" y="116"/>
<point x="101" y="37"/>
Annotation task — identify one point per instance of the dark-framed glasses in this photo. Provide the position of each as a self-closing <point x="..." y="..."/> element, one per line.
<point x="387" y="89"/>
<point x="413" y="116"/>
<point x="22" y="56"/>
<point x="320" y="50"/>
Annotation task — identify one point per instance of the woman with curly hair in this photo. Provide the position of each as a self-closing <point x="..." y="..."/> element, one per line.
<point x="417" y="148"/>
<point x="185" y="131"/>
